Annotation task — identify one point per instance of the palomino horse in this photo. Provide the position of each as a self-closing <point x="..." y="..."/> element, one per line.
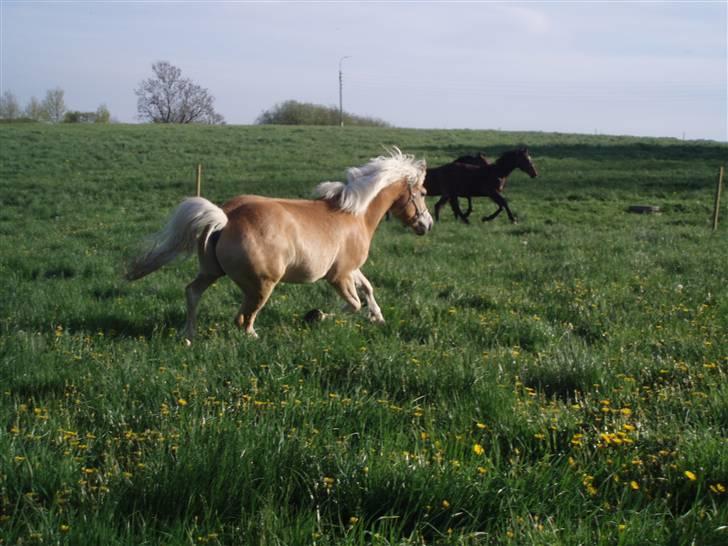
<point x="261" y="241"/>
<point x="475" y="177"/>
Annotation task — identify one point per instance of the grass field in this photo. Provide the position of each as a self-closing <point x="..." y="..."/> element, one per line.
<point x="558" y="381"/>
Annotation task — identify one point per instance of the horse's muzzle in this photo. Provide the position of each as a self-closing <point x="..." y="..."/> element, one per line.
<point x="423" y="224"/>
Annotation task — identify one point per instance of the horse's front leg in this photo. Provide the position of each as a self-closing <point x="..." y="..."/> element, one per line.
<point x="470" y="206"/>
<point x="438" y="206"/>
<point x="362" y="283"/>
<point x="455" y="205"/>
<point x="345" y="285"/>
<point x="492" y="216"/>
<point x="498" y="198"/>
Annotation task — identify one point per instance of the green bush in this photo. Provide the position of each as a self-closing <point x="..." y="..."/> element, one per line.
<point x="292" y="112"/>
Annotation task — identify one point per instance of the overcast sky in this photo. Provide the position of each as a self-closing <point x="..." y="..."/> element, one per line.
<point x="637" y="68"/>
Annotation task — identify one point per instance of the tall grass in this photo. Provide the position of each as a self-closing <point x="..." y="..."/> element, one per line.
<point x="560" y="381"/>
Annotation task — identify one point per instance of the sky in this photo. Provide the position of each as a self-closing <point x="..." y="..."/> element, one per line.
<point x="621" y="68"/>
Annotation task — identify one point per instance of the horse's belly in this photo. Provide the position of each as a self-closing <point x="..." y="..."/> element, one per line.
<point x="310" y="269"/>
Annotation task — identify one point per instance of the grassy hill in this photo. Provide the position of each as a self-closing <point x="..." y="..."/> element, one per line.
<point x="559" y="381"/>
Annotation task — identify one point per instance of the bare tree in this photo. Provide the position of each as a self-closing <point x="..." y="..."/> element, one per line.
<point x="170" y="98"/>
<point x="34" y="110"/>
<point x="54" y="105"/>
<point x="9" y="108"/>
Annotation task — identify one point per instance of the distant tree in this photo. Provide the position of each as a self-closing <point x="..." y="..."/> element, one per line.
<point x="102" y="114"/>
<point x="54" y="105"/>
<point x="9" y="108"/>
<point x="34" y="110"/>
<point x="292" y="112"/>
<point x="170" y="98"/>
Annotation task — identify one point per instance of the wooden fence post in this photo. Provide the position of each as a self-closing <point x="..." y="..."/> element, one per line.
<point x="198" y="180"/>
<point x="716" y="205"/>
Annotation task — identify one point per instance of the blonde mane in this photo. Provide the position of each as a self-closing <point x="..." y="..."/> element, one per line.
<point x="364" y="183"/>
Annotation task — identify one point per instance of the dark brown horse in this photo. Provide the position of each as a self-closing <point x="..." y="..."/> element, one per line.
<point x="474" y="177"/>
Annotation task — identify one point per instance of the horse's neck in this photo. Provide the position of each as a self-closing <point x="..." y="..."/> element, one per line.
<point x="380" y="205"/>
<point x="503" y="168"/>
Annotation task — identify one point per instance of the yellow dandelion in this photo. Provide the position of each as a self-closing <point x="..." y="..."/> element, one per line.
<point x="353" y="520"/>
<point x="478" y="449"/>
<point x="445" y="504"/>
<point x="181" y="402"/>
<point x="690" y="475"/>
<point x="718" y="488"/>
<point x="634" y="485"/>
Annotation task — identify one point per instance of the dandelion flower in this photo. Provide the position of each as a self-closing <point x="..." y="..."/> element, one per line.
<point x="690" y="475"/>
<point x="478" y="449"/>
<point x="634" y="485"/>
<point x="445" y="504"/>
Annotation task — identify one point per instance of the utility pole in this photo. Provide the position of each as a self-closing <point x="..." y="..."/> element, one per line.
<point x="341" y="91"/>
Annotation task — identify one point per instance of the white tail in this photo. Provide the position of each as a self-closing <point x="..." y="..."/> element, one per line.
<point x="194" y="216"/>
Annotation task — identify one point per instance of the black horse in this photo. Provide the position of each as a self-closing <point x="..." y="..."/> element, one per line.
<point x="473" y="176"/>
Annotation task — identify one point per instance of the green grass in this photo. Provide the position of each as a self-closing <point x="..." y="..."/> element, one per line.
<point x="559" y="381"/>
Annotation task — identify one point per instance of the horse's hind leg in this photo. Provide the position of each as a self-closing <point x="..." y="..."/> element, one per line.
<point x="255" y="297"/>
<point x="375" y="313"/>
<point x="193" y="293"/>
<point x="209" y="272"/>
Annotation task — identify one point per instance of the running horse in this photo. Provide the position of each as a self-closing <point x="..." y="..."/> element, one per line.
<point x="261" y="241"/>
<point x="471" y="176"/>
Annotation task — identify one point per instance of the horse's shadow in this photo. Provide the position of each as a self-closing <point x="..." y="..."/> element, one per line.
<point x="114" y="326"/>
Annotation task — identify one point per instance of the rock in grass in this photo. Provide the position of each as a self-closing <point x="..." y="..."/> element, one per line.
<point x="314" y="315"/>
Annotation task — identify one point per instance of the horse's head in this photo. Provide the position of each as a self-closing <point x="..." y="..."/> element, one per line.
<point x="411" y="208"/>
<point x="524" y="162"/>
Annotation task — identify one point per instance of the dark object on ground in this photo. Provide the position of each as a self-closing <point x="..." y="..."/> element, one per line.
<point x="643" y="209"/>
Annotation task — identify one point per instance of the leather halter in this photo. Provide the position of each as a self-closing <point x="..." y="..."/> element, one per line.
<point x="419" y="212"/>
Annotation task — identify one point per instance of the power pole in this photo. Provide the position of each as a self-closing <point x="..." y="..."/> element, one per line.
<point x="341" y="91"/>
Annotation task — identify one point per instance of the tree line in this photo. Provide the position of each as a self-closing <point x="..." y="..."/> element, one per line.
<point x="167" y="97"/>
<point x="51" y="109"/>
